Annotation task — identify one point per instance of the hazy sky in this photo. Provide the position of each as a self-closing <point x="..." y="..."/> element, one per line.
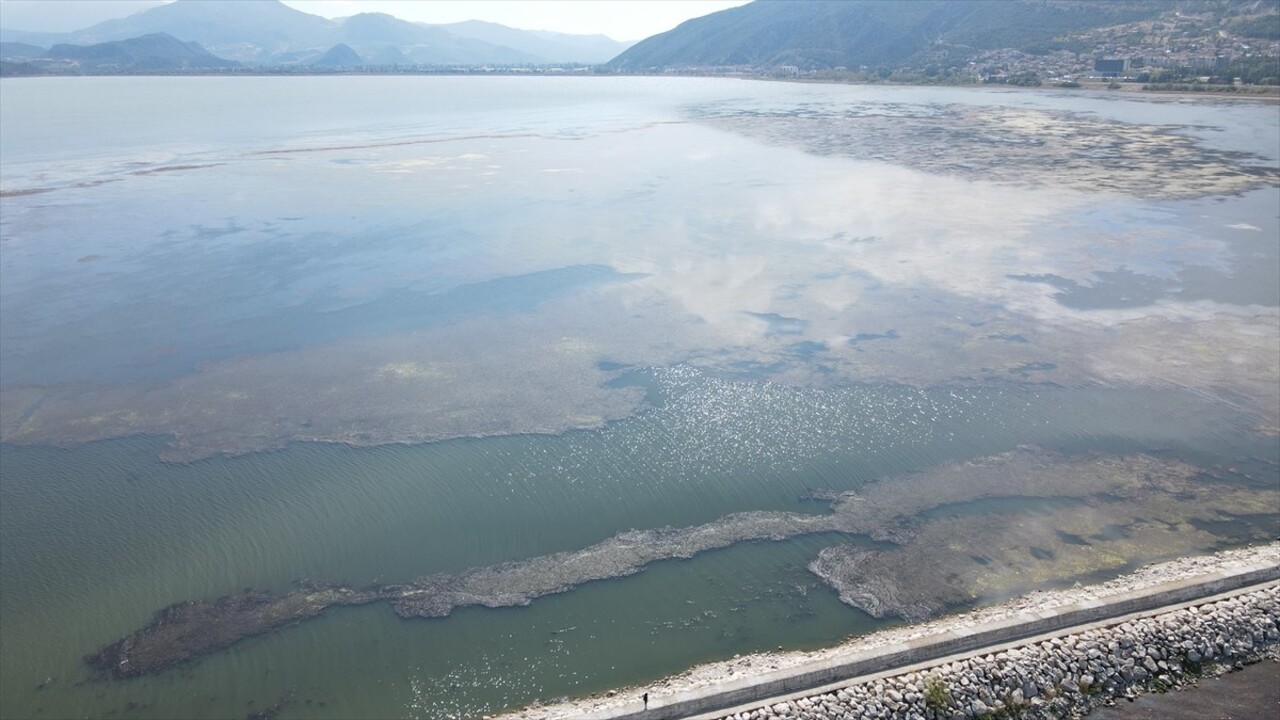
<point x="619" y="19"/>
<point x="65" y="15"/>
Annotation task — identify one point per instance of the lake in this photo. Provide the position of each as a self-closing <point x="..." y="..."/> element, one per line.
<point x="368" y="329"/>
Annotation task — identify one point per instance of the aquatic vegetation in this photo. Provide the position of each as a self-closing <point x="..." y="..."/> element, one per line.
<point x="929" y="572"/>
<point x="1020" y="146"/>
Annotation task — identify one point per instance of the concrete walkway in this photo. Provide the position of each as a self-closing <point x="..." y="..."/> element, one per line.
<point x="957" y="643"/>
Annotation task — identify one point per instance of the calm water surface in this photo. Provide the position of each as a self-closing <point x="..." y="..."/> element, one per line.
<point x="608" y="308"/>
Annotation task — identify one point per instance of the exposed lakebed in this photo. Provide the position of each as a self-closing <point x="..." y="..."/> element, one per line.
<point x="481" y="342"/>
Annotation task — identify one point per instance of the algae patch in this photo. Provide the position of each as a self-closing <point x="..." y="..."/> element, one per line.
<point x="940" y="562"/>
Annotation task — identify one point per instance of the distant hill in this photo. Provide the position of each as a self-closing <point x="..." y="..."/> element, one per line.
<point x="382" y="29"/>
<point x="155" y="52"/>
<point x="374" y="33"/>
<point x="19" y="50"/>
<point x="339" y="56"/>
<point x="246" y="30"/>
<point x="547" y="47"/>
<point x="388" y="55"/>
<point x="264" y="33"/>
<point x="823" y="34"/>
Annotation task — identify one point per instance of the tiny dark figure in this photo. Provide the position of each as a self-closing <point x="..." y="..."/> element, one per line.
<point x="646" y="701"/>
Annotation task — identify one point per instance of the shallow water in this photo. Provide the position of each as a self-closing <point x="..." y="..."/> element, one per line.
<point x="610" y="304"/>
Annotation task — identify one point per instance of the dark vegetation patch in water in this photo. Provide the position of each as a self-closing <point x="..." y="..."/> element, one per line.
<point x="1041" y="506"/>
<point x="1232" y="525"/>
<point x="1072" y="539"/>
<point x="1111" y="532"/>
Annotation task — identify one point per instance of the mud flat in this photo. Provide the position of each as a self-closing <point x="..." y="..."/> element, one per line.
<point x="1059" y="674"/>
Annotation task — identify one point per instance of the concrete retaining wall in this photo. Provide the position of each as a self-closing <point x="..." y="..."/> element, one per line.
<point x="961" y="640"/>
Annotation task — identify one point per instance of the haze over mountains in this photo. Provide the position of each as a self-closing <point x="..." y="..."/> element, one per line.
<point x="932" y="38"/>
<point x="157" y="51"/>
<point x="269" y="33"/>
<point x="827" y="34"/>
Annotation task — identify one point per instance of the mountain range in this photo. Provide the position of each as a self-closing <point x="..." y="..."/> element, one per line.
<point x="266" y="33"/>
<point x="828" y="34"/>
<point x="932" y="37"/>
<point x="154" y="52"/>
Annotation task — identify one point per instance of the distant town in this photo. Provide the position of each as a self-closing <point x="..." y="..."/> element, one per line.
<point x="1182" y="53"/>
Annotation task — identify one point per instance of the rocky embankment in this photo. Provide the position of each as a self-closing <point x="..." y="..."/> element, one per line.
<point x="1038" y="679"/>
<point x="1065" y="676"/>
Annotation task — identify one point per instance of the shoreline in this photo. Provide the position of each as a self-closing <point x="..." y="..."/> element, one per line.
<point x="1059" y="675"/>
<point x="1269" y="93"/>
<point x="747" y="670"/>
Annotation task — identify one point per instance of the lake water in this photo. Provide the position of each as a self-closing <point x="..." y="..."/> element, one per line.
<point x="365" y="329"/>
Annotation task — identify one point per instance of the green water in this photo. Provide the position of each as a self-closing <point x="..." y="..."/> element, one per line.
<point x="609" y="309"/>
<point x="98" y="537"/>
